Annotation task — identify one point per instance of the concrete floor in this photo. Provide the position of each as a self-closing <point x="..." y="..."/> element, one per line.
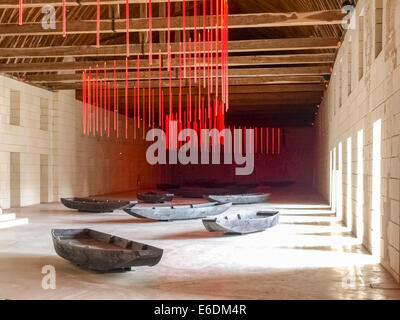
<point x="307" y="256"/>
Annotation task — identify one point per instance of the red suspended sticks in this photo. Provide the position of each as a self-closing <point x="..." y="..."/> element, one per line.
<point x="126" y="98"/>
<point x="170" y="87"/>
<point x="149" y="90"/>
<point x="20" y="13"/>
<point x="127" y="27"/>
<point x="117" y="111"/>
<point x="98" y="25"/>
<point x="64" y="15"/>
<point x="109" y="109"/>
<point x="134" y="113"/>
<point x="195" y="40"/>
<point x="105" y="94"/>
<point x="152" y="94"/>
<point x="138" y="89"/>
<point x="184" y="37"/>
<point x="273" y="140"/>
<point x="101" y="108"/>
<point x="216" y="49"/>
<point x="159" y="89"/>
<point x="150" y="36"/>
<point x="115" y="95"/>
<point x="169" y="34"/>
<point x="180" y="81"/>
<point x="204" y="43"/>
<point x="97" y="98"/>
<point x="144" y="114"/>
<point x="279" y="141"/>
<point x="84" y="101"/>
<point x="190" y="79"/>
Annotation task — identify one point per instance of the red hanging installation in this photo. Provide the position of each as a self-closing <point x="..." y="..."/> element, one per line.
<point x="105" y="94"/>
<point x="109" y="108"/>
<point x="261" y="140"/>
<point x="195" y="40"/>
<point x="21" y="13"/>
<point x="101" y="108"/>
<point x="149" y="90"/>
<point x="184" y="37"/>
<point x="84" y="101"/>
<point x="144" y="113"/>
<point x="126" y="98"/>
<point x="64" y="15"/>
<point x="216" y="50"/>
<point x="204" y="43"/>
<point x="159" y="89"/>
<point x="115" y="95"/>
<point x="134" y="113"/>
<point x="180" y="82"/>
<point x="170" y="87"/>
<point x="138" y="89"/>
<point x="190" y="79"/>
<point x="97" y="98"/>
<point x="117" y="111"/>
<point x="279" y="140"/>
<point x="267" y="140"/>
<point x="150" y="36"/>
<point x="94" y="107"/>
<point x="273" y="140"/>
<point x="211" y="40"/>
<point x="169" y="34"/>
<point x="152" y="94"/>
<point x="127" y="27"/>
<point x="98" y="25"/>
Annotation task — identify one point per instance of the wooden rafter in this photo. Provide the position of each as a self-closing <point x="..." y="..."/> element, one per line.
<point x="252" y="20"/>
<point x="138" y="49"/>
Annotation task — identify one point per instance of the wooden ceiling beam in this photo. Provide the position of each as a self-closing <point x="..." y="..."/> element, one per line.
<point x="274" y="88"/>
<point x="132" y="76"/>
<point x="239" y="81"/>
<point x="321" y="58"/>
<point x="265" y="45"/>
<point x="250" y="20"/>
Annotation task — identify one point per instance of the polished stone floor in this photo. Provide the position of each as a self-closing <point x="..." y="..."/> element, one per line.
<point x="307" y="256"/>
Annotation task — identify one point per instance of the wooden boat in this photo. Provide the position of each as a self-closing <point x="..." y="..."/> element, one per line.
<point x="95" y="205"/>
<point x="103" y="252"/>
<point x="242" y="223"/>
<point x="239" y="198"/>
<point x="184" y="212"/>
<point x="155" y="197"/>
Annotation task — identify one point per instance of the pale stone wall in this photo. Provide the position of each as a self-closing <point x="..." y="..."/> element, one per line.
<point x="364" y="88"/>
<point x="52" y="158"/>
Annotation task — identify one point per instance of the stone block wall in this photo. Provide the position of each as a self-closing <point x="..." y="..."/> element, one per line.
<point x="44" y="154"/>
<point x="364" y="91"/>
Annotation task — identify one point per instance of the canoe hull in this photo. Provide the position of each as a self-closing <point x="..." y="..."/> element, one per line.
<point x="187" y="212"/>
<point x="102" y="252"/>
<point x="239" y="198"/>
<point x="242" y="223"/>
<point x="95" y="206"/>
